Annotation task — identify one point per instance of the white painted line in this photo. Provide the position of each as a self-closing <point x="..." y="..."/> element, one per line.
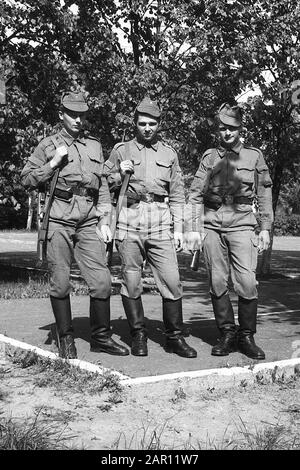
<point x="50" y="355"/>
<point x="230" y="372"/>
<point x="277" y="313"/>
<point x="216" y="374"/>
<point x="259" y="315"/>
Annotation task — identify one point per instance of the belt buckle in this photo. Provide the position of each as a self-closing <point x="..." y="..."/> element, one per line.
<point x="149" y="197"/>
<point x="228" y="199"/>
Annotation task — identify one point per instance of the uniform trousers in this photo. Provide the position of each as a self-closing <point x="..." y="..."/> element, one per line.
<point x="231" y="254"/>
<point x="162" y="258"/>
<point x="81" y="242"/>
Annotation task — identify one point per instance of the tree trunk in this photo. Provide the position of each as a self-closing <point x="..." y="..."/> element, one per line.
<point x="135" y="33"/>
<point x="264" y="267"/>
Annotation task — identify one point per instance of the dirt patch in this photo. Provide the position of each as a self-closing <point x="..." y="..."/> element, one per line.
<point x="101" y="415"/>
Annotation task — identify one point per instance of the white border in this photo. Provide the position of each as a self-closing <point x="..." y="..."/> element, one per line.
<point x="50" y="355"/>
<point x="216" y="376"/>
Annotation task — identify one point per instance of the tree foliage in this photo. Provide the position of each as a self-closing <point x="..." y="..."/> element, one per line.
<point x="189" y="55"/>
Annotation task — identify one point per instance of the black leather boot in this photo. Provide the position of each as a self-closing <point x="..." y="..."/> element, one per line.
<point x="247" y="313"/>
<point x="64" y="330"/>
<point x="226" y="344"/>
<point x="223" y="311"/>
<point x="101" y="340"/>
<point x="172" y="317"/>
<point x="135" y="315"/>
<point x="224" y="316"/>
<point x="247" y="346"/>
<point x="67" y="348"/>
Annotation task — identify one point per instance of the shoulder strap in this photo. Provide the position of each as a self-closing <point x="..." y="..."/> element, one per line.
<point x="57" y="140"/>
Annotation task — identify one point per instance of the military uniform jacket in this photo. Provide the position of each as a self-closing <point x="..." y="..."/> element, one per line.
<point x="156" y="173"/>
<point x="84" y="169"/>
<point x="232" y="178"/>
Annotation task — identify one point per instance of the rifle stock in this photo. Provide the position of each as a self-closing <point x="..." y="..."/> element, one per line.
<point x="43" y="229"/>
<point x="110" y="245"/>
<point x="41" y="246"/>
<point x="195" y="261"/>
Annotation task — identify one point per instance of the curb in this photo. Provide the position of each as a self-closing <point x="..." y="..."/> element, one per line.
<point x="263" y="373"/>
<point x="267" y="372"/>
<point x="84" y="365"/>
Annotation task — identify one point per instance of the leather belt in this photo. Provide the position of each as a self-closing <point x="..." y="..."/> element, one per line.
<point x="133" y="198"/>
<point x="228" y="199"/>
<point x="78" y="191"/>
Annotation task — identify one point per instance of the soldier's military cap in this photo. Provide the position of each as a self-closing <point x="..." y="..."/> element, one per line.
<point x="147" y="106"/>
<point x="74" y="101"/>
<point x="230" y="115"/>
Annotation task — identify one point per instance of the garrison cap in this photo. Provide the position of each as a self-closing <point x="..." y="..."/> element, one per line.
<point x="147" y="106"/>
<point x="74" y="101"/>
<point x="230" y="115"/>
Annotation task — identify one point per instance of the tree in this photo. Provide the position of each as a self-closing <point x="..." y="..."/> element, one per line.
<point x="189" y="55"/>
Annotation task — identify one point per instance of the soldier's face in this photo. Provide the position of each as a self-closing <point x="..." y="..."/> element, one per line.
<point x="147" y="127"/>
<point x="229" y="135"/>
<point x="72" y="121"/>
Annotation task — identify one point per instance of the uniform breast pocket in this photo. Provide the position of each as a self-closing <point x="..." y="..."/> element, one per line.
<point x="245" y="174"/>
<point x="69" y="169"/>
<point x="163" y="170"/>
<point x="94" y="165"/>
<point x="137" y="169"/>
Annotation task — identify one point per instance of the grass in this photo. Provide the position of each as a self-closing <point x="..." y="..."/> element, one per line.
<point x="46" y="429"/>
<point x="271" y="437"/>
<point x="18" y="283"/>
<point x="179" y="395"/>
<point x="144" y="438"/>
<point x="33" y="433"/>
<point x="62" y="375"/>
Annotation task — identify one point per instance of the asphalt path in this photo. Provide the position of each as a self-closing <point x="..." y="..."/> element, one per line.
<point x="31" y="320"/>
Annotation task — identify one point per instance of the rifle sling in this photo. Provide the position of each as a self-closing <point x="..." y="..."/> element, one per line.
<point x="57" y="142"/>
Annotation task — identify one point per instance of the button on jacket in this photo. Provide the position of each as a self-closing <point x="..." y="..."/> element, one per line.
<point x="84" y="169"/>
<point x="156" y="172"/>
<point x="234" y="178"/>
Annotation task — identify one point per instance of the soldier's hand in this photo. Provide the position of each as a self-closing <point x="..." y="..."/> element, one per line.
<point x="104" y="233"/>
<point x="178" y="238"/>
<point x="60" y="156"/>
<point x="263" y="240"/>
<point x="192" y="241"/>
<point x="126" y="166"/>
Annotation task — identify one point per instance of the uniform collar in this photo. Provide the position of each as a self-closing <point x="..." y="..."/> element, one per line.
<point x="70" y="140"/>
<point x="141" y="144"/>
<point x="236" y="149"/>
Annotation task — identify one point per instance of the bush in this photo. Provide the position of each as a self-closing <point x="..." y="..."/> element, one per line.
<point x="10" y="219"/>
<point x="287" y="224"/>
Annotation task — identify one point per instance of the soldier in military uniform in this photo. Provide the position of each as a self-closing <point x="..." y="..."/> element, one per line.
<point x="222" y="193"/>
<point x="150" y="227"/>
<point x="78" y="223"/>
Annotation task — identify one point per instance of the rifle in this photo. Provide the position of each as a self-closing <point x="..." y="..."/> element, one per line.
<point x="43" y="229"/>
<point x="110" y="245"/>
<point x="195" y="261"/>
